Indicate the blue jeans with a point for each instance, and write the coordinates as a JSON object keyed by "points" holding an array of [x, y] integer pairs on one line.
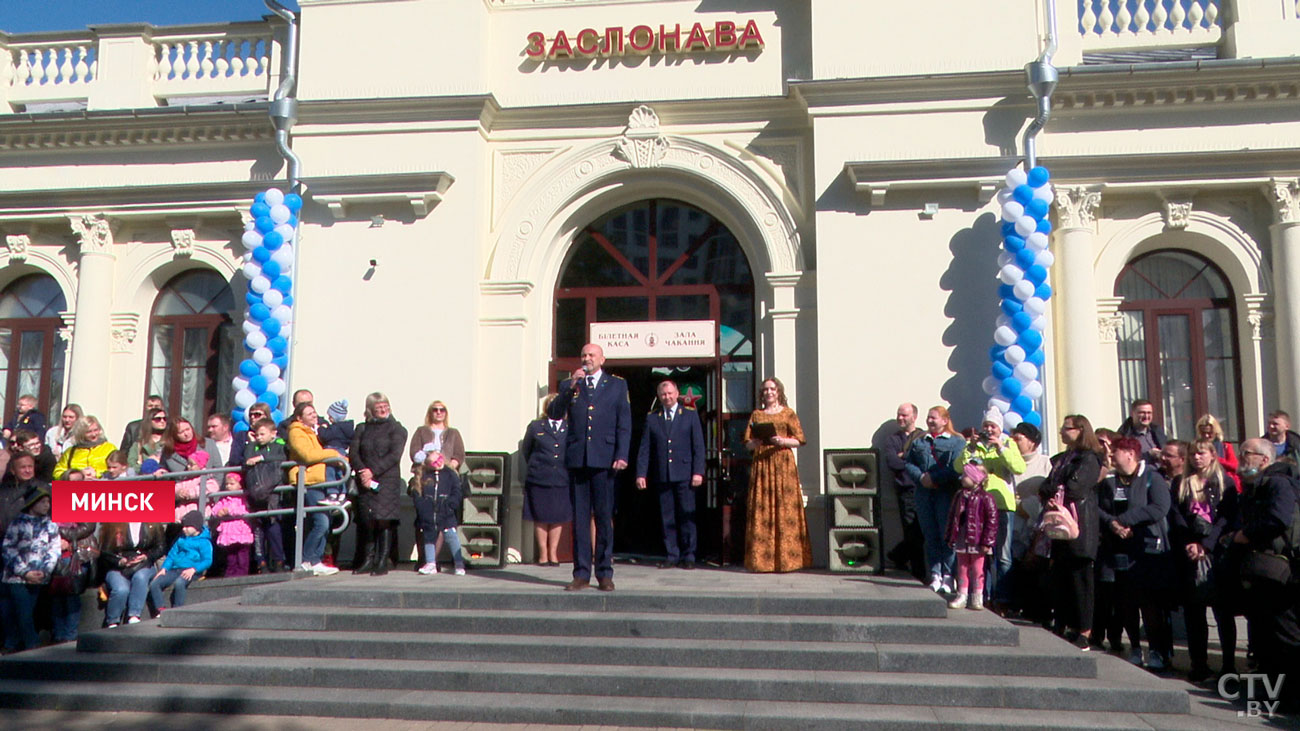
{"points": [[996, 585], [164, 579], [313, 544], [128, 594], [452, 538], [332, 473], [932, 513], [65, 611], [20, 632]]}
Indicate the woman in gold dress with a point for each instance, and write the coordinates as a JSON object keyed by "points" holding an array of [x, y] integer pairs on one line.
{"points": [[776, 531]]}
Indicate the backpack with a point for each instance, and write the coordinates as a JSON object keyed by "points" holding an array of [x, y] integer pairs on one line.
{"points": [[260, 481], [1061, 523]]}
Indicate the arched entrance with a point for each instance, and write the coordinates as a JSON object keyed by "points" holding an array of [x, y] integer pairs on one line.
{"points": [[1178, 341], [659, 260], [194, 346]]}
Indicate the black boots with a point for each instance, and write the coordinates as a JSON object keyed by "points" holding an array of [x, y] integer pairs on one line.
{"points": [[383, 546], [367, 564]]}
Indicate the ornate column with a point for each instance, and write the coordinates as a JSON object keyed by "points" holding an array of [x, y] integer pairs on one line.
{"points": [[88, 376], [1286, 289], [1077, 348], [785, 346]]}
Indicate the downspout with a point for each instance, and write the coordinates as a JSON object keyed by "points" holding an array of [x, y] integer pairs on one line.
{"points": [[1041, 77], [284, 107]]}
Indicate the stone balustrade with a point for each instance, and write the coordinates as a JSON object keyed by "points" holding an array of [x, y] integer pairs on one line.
{"points": [[132, 66], [1130, 25]]}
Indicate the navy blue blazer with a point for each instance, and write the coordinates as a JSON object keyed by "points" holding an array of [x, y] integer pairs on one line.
{"points": [[600, 422], [677, 447], [544, 454]]}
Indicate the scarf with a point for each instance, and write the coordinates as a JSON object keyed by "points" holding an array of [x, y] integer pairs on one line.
{"points": [[185, 449]]}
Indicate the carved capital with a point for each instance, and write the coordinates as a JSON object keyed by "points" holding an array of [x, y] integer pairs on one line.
{"points": [[94, 233], [1076, 207], [642, 144], [123, 328], [1260, 317], [182, 243], [1177, 214], [1108, 328], [1286, 200], [18, 244]]}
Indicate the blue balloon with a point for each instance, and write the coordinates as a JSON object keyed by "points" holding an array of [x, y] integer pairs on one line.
{"points": [[248, 368], [288, 300], [293, 221], [1036, 274], [1036, 357], [271, 327], [273, 240], [1030, 340], [1021, 321], [259, 311], [259, 207], [1008, 228], [264, 225], [260, 197], [271, 400], [1010, 387], [1011, 307], [240, 425], [261, 255], [282, 362], [1024, 259], [1037, 208], [270, 269], [278, 345], [995, 352], [1032, 417], [1014, 244], [293, 202], [283, 283], [277, 415], [1038, 176], [257, 384], [1043, 292], [1001, 371], [252, 298], [1022, 404], [1006, 292], [1045, 226], [1022, 194]]}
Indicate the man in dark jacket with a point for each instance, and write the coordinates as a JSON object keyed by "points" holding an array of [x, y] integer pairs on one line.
{"points": [[1141, 425], [29, 442], [910, 551], [1285, 443], [671, 456]]}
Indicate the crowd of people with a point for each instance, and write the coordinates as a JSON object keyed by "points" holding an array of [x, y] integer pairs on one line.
{"points": [[1111, 536]]}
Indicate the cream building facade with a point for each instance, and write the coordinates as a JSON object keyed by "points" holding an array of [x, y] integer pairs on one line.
{"points": [[460, 156]]}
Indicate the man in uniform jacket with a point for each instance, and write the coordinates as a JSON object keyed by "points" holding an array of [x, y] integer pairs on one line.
{"points": [[672, 456], [600, 429]]}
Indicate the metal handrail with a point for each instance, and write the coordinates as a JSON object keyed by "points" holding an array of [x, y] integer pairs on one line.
{"points": [[299, 510]]}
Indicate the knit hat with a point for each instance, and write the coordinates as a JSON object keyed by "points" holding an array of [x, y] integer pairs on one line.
{"points": [[338, 411], [238, 477], [149, 466], [993, 416], [193, 519], [34, 495], [1029, 431], [200, 458], [975, 473]]}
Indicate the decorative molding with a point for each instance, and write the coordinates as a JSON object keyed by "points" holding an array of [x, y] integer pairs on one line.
{"points": [[1177, 214], [1076, 206], [94, 233], [1259, 316], [106, 136], [123, 328], [786, 314], [182, 243], [421, 191], [513, 169], [783, 279], [1286, 200], [505, 289], [18, 244], [642, 144], [1109, 319], [69, 326]]}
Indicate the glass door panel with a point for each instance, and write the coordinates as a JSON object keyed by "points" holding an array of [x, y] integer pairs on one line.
{"points": [[1178, 402]]}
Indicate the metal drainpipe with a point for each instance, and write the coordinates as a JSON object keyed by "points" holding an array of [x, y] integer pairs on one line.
{"points": [[1041, 77], [284, 107]]}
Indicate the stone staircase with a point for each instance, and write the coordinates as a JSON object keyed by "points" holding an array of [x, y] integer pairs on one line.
{"points": [[703, 649]]}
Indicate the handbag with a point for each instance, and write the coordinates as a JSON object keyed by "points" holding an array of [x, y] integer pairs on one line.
{"points": [[1061, 523], [1265, 570]]}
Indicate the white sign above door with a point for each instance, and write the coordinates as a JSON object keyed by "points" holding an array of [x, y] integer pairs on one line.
{"points": [[663, 339]]}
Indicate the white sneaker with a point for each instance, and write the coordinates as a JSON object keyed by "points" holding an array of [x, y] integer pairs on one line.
{"points": [[976, 602], [111, 626], [948, 588], [133, 620], [306, 566], [958, 602], [936, 583], [428, 569], [321, 569], [460, 572], [1155, 662]]}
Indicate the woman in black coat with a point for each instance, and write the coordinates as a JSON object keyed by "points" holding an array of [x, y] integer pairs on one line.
{"points": [[1072, 484], [376, 455], [128, 552]]}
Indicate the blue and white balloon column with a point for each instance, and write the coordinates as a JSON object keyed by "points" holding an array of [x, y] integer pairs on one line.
{"points": [[1017, 353], [268, 267]]}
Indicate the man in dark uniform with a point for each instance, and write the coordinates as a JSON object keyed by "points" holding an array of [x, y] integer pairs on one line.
{"points": [[600, 427], [674, 437]]}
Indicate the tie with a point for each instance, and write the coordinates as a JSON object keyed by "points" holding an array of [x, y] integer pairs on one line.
{"points": [[591, 381], [668, 415], [555, 425]]}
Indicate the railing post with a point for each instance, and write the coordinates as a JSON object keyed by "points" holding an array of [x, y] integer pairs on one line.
{"points": [[1069, 52], [6, 73], [125, 67], [300, 498], [1261, 28]]}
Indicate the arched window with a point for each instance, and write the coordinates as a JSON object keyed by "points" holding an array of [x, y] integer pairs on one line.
{"points": [[31, 356], [1178, 342], [194, 345]]}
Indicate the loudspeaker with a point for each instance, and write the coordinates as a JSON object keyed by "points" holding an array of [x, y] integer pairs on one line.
{"points": [[852, 472], [486, 473], [854, 511], [855, 549], [483, 508], [480, 510], [481, 545]]}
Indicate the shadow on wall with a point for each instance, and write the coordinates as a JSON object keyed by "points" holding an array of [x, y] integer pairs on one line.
{"points": [[1004, 120], [972, 306]]}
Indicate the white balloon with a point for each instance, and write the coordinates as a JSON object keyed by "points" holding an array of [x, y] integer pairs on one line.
{"points": [[1016, 177], [255, 340], [1012, 211], [272, 298], [1004, 259], [273, 197], [245, 398], [1015, 355], [1036, 241], [251, 270], [250, 326], [1045, 258], [1024, 289], [1004, 336], [286, 231], [250, 226], [1026, 225], [999, 403], [259, 284], [1035, 306], [1011, 420], [1004, 195], [1025, 372], [1039, 323], [283, 313], [1044, 193], [1032, 390], [1010, 274], [252, 239], [1002, 321], [270, 371], [262, 356], [284, 257], [992, 386], [276, 387], [239, 382], [280, 213]]}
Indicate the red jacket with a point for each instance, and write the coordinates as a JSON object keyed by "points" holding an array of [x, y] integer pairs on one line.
{"points": [[974, 517]]}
